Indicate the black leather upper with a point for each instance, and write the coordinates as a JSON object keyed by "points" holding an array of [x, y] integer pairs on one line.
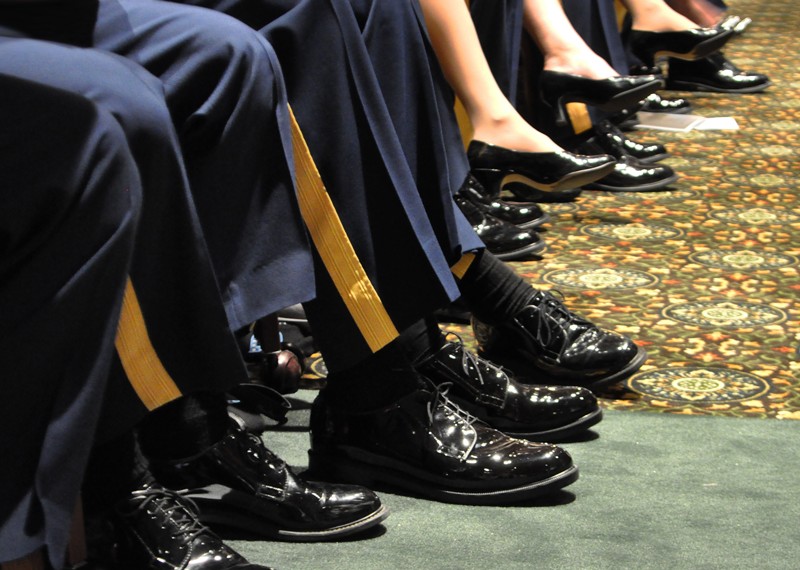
{"points": [[496, 397]]}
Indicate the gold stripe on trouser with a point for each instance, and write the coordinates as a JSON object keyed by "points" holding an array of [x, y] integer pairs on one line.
{"points": [[461, 266], [622, 11], [147, 375], [336, 251], [464, 124], [579, 117]]}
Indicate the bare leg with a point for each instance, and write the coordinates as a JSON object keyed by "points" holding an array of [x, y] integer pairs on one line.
{"points": [[700, 12], [656, 16], [563, 49], [456, 44]]}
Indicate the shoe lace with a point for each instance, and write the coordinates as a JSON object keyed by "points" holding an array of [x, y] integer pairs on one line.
{"points": [[470, 359], [550, 309], [440, 399], [180, 510]]}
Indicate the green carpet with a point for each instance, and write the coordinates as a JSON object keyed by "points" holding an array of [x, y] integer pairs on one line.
{"points": [[655, 492], [706, 276]]}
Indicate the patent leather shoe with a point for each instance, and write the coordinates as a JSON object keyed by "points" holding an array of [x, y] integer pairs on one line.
{"points": [[426, 445], [714, 74], [655, 103], [546, 343], [240, 483], [545, 172], [526, 215], [506, 241], [539, 413], [611, 94], [157, 529], [614, 142], [686, 44], [631, 175]]}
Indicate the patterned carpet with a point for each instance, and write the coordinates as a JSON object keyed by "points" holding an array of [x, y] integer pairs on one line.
{"points": [[705, 276]]}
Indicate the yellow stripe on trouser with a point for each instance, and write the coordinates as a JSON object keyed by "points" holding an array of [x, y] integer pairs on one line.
{"points": [[461, 266], [147, 375], [335, 249]]}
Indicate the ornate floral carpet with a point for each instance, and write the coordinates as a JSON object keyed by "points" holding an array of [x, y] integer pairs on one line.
{"points": [[705, 275]]}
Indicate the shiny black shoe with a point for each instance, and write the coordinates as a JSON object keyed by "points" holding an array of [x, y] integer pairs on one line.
{"points": [[611, 94], [546, 343], [539, 413], [239, 483], [526, 215], [687, 44], [655, 103], [424, 444], [630, 175], [545, 172], [506, 241], [714, 74], [157, 529], [614, 142]]}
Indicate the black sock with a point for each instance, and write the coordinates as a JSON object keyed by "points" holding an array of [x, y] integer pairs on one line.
{"points": [[115, 469], [376, 382], [492, 290], [186, 427], [421, 340]]}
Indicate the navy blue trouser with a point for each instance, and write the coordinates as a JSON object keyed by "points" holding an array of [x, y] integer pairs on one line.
{"points": [[69, 201], [377, 116]]}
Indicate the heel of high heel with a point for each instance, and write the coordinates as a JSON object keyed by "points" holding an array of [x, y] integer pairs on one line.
{"points": [[491, 179]]}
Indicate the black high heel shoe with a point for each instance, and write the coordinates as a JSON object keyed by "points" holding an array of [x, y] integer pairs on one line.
{"points": [[687, 44], [551, 173], [611, 94]]}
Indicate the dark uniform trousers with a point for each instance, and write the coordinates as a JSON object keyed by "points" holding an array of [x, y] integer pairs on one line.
{"points": [[219, 86], [377, 119], [375, 174], [69, 201]]}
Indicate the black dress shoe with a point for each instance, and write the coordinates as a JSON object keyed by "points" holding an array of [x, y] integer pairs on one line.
{"points": [[239, 483], [426, 445], [544, 172], [280, 369], [158, 530], [715, 74], [539, 413], [506, 241], [546, 343], [611, 94], [655, 103], [687, 44], [630, 175], [525, 215], [614, 142]]}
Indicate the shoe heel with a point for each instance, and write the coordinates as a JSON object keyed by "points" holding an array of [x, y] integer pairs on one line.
{"points": [[491, 179], [338, 468]]}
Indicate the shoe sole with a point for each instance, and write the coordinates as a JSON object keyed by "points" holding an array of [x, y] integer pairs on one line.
{"points": [[533, 224], [526, 372], [649, 187], [558, 434], [221, 505], [373, 472], [568, 182], [680, 85], [527, 194], [701, 50], [522, 252]]}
